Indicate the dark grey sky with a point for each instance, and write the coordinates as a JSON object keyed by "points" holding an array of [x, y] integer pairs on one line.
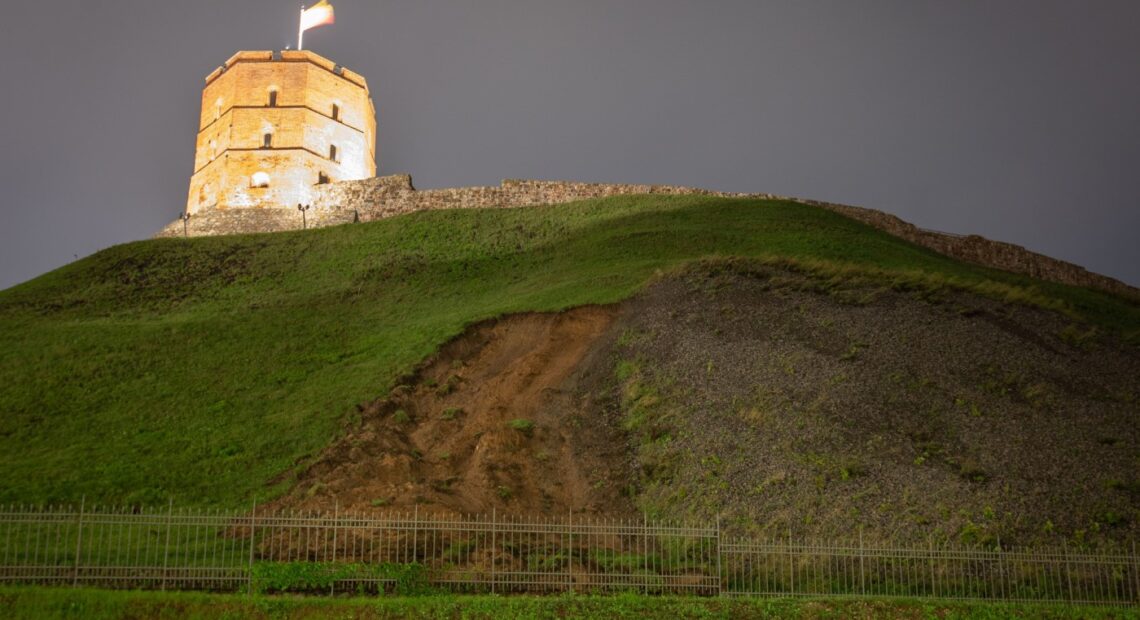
{"points": [[1015, 119]]}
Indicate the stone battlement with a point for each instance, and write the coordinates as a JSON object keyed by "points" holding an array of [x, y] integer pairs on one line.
{"points": [[382, 197], [288, 56]]}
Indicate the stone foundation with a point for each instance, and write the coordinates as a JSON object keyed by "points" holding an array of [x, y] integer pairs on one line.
{"points": [[249, 221]]}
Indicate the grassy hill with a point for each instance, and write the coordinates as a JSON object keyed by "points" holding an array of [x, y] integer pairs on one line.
{"points": [[203, 369], [48, 603]]}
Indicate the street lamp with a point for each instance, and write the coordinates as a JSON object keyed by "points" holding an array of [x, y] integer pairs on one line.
{"points": [[304, 219], [185, 217]]}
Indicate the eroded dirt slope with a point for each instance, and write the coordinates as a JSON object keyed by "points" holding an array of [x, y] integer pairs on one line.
{"points": [[501, 418]]}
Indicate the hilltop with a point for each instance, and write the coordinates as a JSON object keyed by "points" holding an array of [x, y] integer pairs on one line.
{"points": [[222, 370]]}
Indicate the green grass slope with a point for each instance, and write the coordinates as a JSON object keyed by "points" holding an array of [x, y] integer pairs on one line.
{"points": [[47, 603], [202, 369]]}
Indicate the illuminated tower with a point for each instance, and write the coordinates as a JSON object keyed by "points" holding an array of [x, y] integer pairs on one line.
{"points": [[276, 124]]}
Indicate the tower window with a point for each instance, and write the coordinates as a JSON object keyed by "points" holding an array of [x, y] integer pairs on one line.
{"points": [[273, 98], [213, 149], [267, 141], [322, 178], [332, 152], [259, 179], [336, 112]]}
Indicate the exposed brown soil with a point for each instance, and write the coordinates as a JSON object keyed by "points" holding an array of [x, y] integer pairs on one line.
{"points": [[774, 401], [498, 419]]}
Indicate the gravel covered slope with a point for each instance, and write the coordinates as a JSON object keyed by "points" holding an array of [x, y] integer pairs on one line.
{"points": [[783, 403]]}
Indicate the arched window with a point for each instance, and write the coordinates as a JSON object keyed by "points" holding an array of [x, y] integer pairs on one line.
{"points": [[213, 149], [267, 140], [218, 108], [332, 152], [273, 97], [259, 179], [336, 112]]}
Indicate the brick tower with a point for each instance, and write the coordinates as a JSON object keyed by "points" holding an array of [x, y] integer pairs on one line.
{"points": [[275, 125]]}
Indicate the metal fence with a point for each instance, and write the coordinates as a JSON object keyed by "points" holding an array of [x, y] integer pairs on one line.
{"points": [[398, 552]]}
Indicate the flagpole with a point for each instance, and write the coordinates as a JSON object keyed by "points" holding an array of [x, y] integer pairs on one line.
{"points": [[301, 29]]}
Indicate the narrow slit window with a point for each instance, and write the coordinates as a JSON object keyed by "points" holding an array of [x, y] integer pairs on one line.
{"points": [[336, 112], [267, 141], [273, 99], [332, 152]]}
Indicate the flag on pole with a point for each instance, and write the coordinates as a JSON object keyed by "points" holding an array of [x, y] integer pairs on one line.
{"points": [[319, 14]]}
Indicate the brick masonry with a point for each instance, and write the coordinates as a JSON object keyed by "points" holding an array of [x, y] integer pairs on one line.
{"points": [[382, 197], [293, 117]]}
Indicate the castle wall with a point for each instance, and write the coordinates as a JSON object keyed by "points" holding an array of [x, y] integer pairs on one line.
{"points": [[206, 186], [981, 251], [387, 196], [317, 105], [213, 140], [354, 108], [249, 221], [292, 178]]}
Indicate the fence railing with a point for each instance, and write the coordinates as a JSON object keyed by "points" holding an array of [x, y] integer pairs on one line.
{"points": [[173, 548]]}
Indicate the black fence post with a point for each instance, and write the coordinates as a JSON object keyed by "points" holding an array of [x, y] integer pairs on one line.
{"points": [[78, 541]]}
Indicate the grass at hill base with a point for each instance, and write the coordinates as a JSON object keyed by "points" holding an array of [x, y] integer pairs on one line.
{"points": [[88, 604], [203, 370]]}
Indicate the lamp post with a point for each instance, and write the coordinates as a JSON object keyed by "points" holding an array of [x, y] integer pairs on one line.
{"points": [[185, 217], [304, 218]]}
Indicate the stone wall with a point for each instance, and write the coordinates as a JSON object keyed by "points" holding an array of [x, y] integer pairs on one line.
{"points": [[247, 221], [986, 252], [382, 197]]}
